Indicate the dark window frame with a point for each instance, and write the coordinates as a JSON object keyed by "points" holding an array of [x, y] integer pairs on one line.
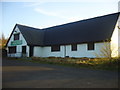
{"points": [[55, 48], [74, 47], [12, 49], [91, 46], [17, 36]]}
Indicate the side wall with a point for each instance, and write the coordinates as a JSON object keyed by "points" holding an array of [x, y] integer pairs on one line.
{"points": [[81, 51], [46, 52], [38, 51], [119, 36], [115, 40]]}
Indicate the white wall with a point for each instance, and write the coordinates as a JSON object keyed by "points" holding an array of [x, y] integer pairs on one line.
{"points": [[18, 47], [38, 51], [119, 37], [119, 30], [115, 40], [47, 52], [81, 51]]}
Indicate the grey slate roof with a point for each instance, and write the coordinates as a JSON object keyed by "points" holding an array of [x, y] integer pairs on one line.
{"points": [[33, 36], [90, 30]]}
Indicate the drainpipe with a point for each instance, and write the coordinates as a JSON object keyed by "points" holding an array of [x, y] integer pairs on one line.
{"points": [[64, 51]]}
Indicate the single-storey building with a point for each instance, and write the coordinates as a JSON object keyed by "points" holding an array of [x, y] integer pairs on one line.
{"points": [[83, 38]]}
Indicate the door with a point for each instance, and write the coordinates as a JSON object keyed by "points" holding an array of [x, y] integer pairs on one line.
{"points": [[31, 51], [23, 51]]}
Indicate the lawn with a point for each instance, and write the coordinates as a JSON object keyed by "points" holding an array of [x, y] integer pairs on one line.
{"points": [[93, 63]]}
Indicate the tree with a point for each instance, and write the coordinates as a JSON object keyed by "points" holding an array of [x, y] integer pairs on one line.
{"points": [[3, 41], [105, 51]]}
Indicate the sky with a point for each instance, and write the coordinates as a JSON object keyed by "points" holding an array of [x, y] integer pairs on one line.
{"points": [[48, 13]]}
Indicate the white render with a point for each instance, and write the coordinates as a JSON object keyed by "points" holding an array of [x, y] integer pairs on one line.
{"points": [[115, 40], [119, 36], [46, 52], [119, 30], [19, 47], [37, 52], [81, 51]]}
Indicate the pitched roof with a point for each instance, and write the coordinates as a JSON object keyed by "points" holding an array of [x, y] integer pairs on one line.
{"points": [[89, 30], [33, 36]]}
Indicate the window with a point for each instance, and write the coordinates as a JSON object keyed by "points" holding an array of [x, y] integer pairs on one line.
{"points": [[90, 46], [55, 48], [74, 47], [12, 49], [16, 36]]}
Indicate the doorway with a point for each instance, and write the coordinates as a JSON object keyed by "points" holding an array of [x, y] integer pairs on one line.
{"points": [[31, 51], [23, 51]]}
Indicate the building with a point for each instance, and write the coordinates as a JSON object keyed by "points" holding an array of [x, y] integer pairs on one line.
{"points": [[83, 38]]}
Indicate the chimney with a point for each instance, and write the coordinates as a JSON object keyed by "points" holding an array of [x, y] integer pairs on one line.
{"points": [[119, 6]]}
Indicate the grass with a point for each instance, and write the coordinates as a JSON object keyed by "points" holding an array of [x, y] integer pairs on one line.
{"points": [[93, 63]]}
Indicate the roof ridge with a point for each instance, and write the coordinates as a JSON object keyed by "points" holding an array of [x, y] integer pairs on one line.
{"points": [[81, 20], [29, 26]]}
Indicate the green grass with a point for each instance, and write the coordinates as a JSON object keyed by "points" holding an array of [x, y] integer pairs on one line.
{"points": [[93, 63]]}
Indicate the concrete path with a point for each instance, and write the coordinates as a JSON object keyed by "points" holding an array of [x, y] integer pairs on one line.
{"points": [[21, 74]]}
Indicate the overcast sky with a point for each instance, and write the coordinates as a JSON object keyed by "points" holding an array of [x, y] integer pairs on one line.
{"points": [[47, 13]]}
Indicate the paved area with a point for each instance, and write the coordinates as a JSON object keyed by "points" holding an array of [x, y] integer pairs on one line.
{"points": [[20, 74]]}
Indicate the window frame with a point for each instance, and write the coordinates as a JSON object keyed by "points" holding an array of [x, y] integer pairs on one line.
{"points": [[91, 46], [55, 48], [12, 50], [73, 47], [17, 36]]}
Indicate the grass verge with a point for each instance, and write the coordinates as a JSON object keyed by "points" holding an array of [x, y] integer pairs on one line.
{"points": [[93, 63]]}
